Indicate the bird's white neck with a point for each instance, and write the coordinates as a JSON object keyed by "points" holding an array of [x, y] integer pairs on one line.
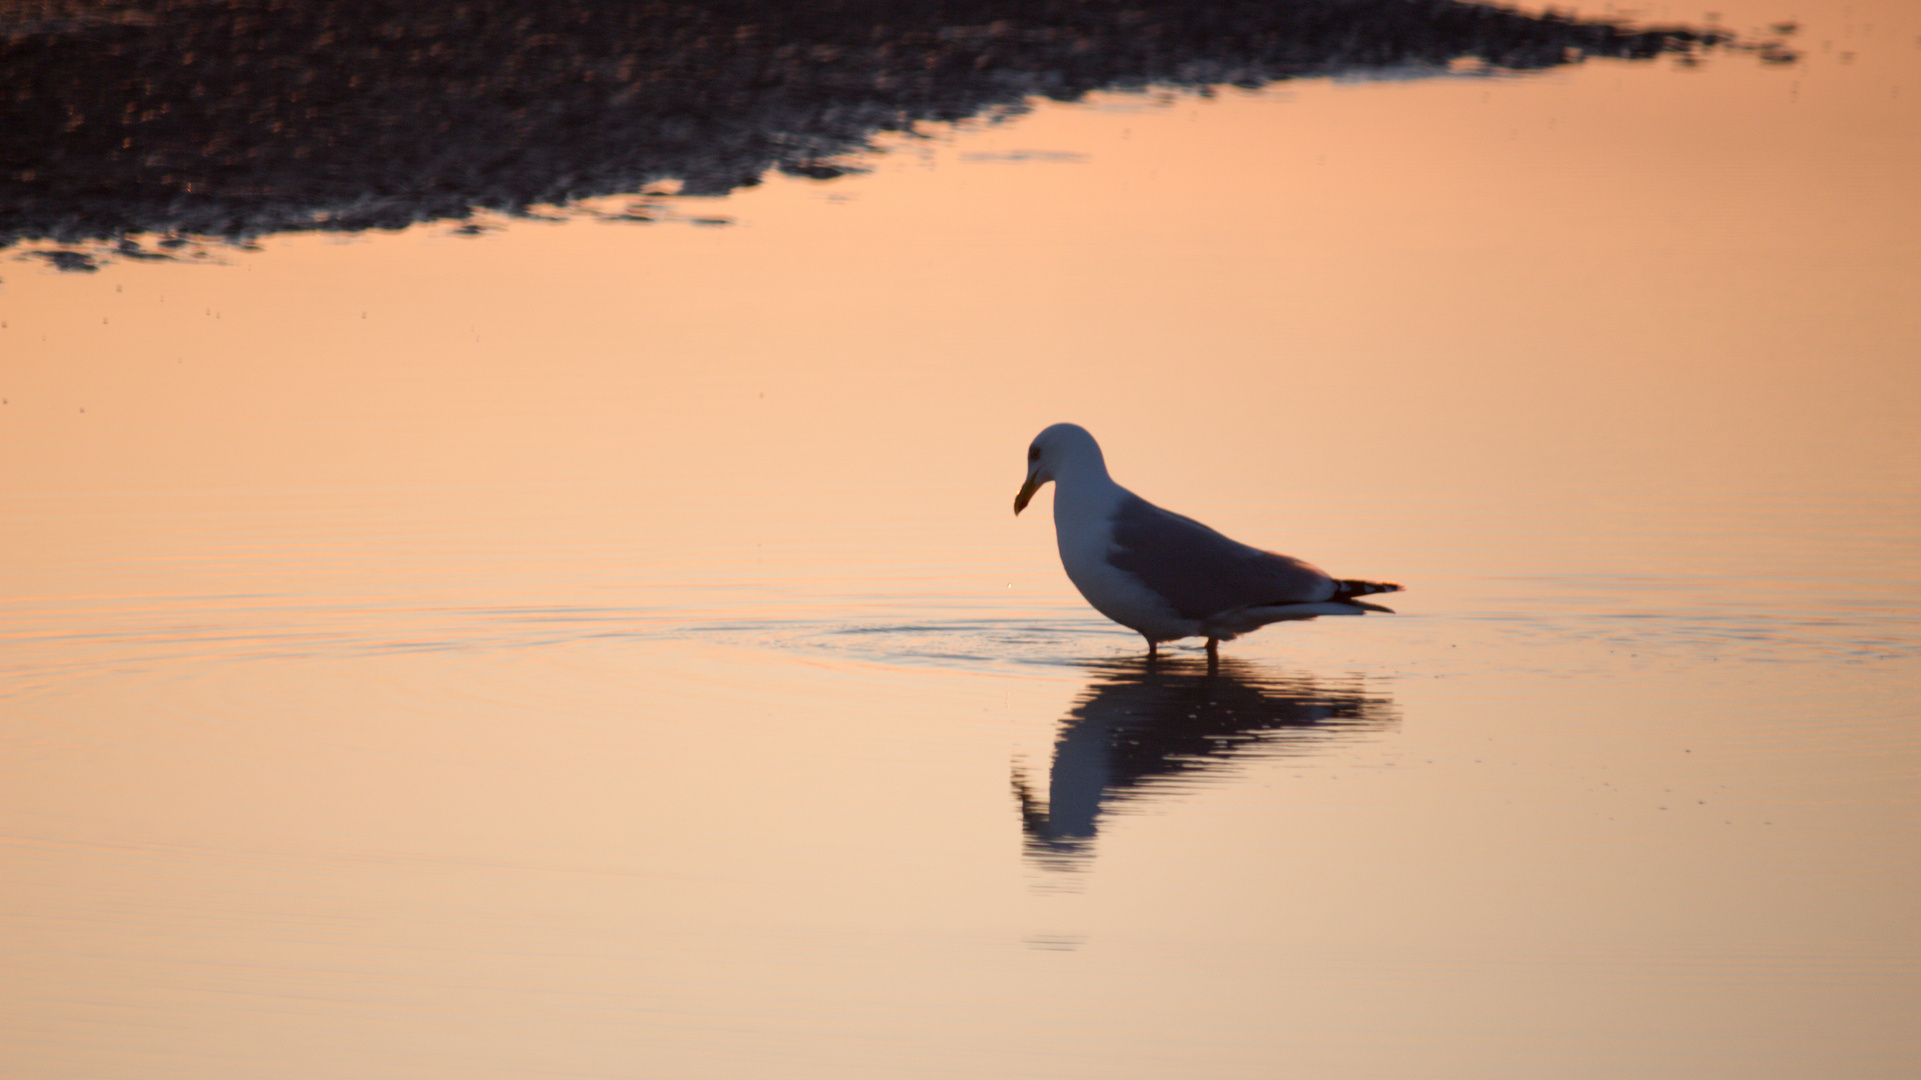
{"points": [[1083, 493]]}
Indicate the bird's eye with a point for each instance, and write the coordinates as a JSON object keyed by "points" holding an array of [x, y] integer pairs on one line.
{"points": [[1033, 453]]}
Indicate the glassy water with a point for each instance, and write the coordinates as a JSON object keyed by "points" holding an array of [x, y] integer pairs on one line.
{"points": [[601, 646]]}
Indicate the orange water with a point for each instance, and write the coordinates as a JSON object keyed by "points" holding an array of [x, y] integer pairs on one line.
{"points": [[606, 650]]}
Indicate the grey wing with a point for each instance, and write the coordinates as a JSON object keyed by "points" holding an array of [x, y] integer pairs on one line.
{"points": [[1201, 573]]}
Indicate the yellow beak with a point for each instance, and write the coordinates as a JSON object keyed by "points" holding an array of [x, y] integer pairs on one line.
{"points": [[1027, 492]]}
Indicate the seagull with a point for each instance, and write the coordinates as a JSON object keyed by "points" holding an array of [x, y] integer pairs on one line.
{"points": [[1162, 575]]}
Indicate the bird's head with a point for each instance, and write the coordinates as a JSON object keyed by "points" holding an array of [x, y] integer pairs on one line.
{"points": [[1057, 449]]}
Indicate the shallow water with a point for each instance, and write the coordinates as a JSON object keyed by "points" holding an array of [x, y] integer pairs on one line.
{"points": [[604, 649]]}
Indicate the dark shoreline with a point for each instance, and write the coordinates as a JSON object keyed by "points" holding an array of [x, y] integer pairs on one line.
{"points": [[189, 118]]}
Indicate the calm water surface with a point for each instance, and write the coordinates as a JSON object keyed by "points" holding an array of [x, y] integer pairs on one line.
{"points": [[593, 648]]}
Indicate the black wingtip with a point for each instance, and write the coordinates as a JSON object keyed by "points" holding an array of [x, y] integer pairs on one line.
{"points": [[1347, 589]]}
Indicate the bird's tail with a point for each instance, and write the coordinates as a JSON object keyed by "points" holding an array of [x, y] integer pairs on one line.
{"points": [[1348, 590]]}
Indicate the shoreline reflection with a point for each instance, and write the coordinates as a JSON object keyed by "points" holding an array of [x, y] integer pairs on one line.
{"points": [[1144, 730]]}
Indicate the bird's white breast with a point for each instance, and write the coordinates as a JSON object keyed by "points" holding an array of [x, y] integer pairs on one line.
{"points": [[1083, 528]]}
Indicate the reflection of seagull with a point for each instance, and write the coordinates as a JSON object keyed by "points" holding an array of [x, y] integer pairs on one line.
{"points": [[1163, 575], [1144, 727]]}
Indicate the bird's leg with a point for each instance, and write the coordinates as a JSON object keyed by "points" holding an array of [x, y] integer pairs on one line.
{"points": [[1213, 650], [1153, 651]]}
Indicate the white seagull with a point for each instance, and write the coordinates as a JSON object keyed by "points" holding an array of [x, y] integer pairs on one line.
{"points": [[1162, 575]]}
